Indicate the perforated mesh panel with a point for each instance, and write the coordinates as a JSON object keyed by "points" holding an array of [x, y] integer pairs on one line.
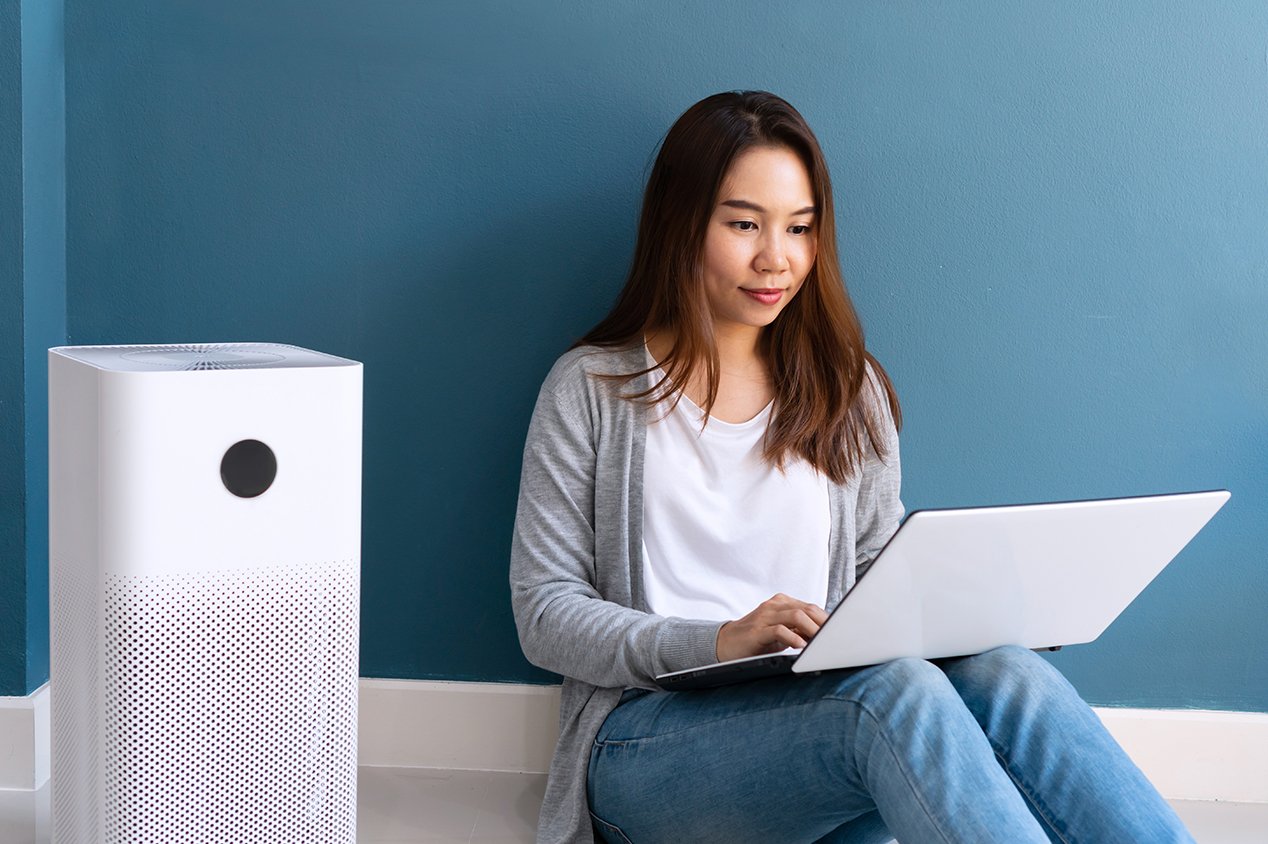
{"points": [[231, 703], [75, 700]]}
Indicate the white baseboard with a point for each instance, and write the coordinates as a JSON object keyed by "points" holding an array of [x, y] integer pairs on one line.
{"points": [[1196, 754], [1187, 754], [25, 741], [466, 726]]}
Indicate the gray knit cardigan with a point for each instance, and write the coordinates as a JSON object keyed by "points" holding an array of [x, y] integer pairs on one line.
{"points": [[576, 559]]}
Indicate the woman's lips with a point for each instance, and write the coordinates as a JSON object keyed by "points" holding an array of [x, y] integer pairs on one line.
{"points": [[765, 296]]}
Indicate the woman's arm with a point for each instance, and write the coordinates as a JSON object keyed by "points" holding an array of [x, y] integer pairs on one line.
{"points": [[564, 624], [879, 509]]}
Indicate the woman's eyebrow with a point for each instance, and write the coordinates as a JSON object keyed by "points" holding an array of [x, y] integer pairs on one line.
{"points": [[753, 206]]}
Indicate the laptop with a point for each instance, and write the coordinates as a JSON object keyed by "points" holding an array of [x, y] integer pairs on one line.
{"points": [[955, 582]]}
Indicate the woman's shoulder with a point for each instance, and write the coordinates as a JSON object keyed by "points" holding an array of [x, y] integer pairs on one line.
{"points": [[875, 397], [875, 387], [576, 391], [577, 368]]}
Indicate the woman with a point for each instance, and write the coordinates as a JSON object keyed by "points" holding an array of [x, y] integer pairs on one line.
{"points": [[706, 473]]}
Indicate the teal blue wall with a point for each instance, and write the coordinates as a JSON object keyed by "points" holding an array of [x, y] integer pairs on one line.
{"points": [[1054, 220], [32, 318], [12, 451], [44, 274]]}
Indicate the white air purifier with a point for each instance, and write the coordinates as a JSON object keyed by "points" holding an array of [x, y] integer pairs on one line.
{"points": [[205, 533]]}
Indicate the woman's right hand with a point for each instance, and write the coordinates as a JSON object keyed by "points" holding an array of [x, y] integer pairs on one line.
{"points": [[778, 623]]}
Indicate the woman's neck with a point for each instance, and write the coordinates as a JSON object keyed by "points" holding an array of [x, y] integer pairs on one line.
{"points": [[744, 382], [739, 351]]}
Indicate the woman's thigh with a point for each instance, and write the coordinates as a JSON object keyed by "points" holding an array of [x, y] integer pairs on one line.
{"points": [[773, 760]]}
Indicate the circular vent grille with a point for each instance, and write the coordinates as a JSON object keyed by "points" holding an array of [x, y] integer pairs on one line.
{"points": [[192, 357], [231, 706]]}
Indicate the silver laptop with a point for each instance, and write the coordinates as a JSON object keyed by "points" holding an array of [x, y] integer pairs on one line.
{"points": [[962, 581]]}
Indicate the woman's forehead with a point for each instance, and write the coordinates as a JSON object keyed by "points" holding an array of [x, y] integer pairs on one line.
{"points": [[771, 178]]}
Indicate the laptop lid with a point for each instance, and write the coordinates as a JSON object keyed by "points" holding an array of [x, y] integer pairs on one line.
{"points": [[955, 582], [962, 581]]}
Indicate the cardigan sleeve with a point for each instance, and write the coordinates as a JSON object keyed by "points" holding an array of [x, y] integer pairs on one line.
{"points": [[879, 510], [565, 625]]}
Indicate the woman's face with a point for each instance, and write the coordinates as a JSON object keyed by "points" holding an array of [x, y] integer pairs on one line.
{"points": [[760, 242]]}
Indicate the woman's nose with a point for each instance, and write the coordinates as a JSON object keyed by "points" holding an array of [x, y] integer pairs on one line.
{"points": [[773, 255]]}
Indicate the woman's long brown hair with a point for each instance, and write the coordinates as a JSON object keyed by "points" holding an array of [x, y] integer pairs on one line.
{"points": [[814, 348]]}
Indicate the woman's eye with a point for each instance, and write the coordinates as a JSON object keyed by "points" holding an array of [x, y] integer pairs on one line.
{"points": [[745, 225], [799, 229]]}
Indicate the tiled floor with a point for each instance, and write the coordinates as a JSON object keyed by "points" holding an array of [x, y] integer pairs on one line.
{"points": [[411, 804]]}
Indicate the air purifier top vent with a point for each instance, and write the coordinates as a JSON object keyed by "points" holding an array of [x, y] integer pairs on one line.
{"points": [[200, 356]]}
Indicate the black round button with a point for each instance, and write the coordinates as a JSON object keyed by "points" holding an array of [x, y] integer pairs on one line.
{"points": [[248, 468]]}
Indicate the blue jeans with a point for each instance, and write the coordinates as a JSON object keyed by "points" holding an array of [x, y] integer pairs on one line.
{"points": [[994, 747]]}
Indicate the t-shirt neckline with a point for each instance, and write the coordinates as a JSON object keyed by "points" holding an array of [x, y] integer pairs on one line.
{"points": [[760, 417]]}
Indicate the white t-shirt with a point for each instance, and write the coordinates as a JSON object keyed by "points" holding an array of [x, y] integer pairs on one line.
{"points": [[723, 530]]}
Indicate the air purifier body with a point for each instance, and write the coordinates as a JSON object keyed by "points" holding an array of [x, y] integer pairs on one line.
{"points": [[204, 579]]}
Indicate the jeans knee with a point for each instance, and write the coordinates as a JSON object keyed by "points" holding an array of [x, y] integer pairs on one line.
{"points": [[910, 671], [906, 680], [904, 708], [1014, 660], [1008, 669]]}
